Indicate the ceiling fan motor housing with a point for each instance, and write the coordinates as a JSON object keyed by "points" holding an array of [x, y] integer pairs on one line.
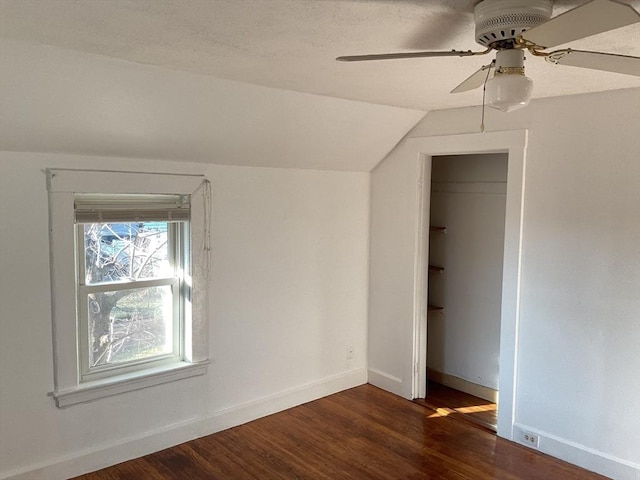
{"points": [[499, 22]]}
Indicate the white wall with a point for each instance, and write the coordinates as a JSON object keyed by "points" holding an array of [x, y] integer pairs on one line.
{"points": [[578, 368], [289, 293], [468, 196], [395, 197]]}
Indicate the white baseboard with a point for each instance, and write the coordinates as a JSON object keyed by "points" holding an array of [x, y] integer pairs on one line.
{"points": [[583, 456], [134, 447], [463, 385], [385, 381]]}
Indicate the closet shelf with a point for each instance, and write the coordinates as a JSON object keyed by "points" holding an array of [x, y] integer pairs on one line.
{"points": [[437, 229], [434, 269], [434, 308]]}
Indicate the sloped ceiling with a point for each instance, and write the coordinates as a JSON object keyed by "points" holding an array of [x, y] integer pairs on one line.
{"points": [[291, 44], [62, 101], [246, 82]]}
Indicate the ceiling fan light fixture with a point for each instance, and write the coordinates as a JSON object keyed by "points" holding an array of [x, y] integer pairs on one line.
{"points": [[509, 89], [509, 92]]}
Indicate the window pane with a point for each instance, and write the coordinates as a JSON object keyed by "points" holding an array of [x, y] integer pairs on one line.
{"points": [[116, 252], [128, 325]]}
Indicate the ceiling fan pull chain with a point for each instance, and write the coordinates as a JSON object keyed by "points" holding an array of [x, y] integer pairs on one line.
{"points": [[484, 95]]}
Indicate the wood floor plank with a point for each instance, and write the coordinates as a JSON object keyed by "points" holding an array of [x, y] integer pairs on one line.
{"points": [[418, 439], [351, 456], [361, 433], [468, 407]]}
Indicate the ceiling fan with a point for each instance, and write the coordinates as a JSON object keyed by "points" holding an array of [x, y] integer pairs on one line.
{"points": [[512, 27]]}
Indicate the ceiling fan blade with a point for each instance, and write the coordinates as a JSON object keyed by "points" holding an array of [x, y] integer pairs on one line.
{"points": [[608, 62], [392, 56], [475, 80], [589, 19]]}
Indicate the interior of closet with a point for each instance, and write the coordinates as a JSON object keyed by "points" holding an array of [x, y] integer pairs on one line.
{"points": [[466, 249]]}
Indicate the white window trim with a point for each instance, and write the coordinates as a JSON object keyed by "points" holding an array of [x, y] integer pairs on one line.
{"points": [[62, 184]]}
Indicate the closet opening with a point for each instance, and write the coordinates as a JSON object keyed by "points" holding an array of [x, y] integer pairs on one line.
{"points": [[466, 211]]}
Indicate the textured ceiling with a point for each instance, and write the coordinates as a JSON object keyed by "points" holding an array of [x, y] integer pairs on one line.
{"points": [[291, 44]]}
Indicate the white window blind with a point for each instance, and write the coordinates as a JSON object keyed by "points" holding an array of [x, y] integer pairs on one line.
{"points": [[91, 208]]}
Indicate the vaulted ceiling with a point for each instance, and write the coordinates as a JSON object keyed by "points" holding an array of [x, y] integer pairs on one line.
{"points": [[247, 82], [291, 44]]}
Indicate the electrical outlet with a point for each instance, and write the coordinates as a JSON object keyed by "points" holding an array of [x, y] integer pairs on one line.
{"points": [[528, 438], [349, 352]]}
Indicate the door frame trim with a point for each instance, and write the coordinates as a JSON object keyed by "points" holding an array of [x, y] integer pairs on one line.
{"points": [[514, 143]]}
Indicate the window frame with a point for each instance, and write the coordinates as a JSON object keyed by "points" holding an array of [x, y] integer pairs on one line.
{"points": [[177, 236], [63, 185]]}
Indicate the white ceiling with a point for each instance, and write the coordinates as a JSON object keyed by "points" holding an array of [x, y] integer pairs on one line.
{"points": [[291, 44]]}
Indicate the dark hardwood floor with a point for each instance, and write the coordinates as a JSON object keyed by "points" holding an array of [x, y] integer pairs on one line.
{"points": [[461, 406], [362, 433]]}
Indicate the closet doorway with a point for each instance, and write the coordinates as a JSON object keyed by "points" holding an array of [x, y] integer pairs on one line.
{"points": [[513, 143], [466, 251]]}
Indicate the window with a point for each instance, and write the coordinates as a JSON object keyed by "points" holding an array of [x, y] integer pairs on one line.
{"points": [[130, 281], [138, 313]]}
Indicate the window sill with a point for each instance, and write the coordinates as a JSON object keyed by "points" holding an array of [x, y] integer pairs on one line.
{"points": [[90, 391]]}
